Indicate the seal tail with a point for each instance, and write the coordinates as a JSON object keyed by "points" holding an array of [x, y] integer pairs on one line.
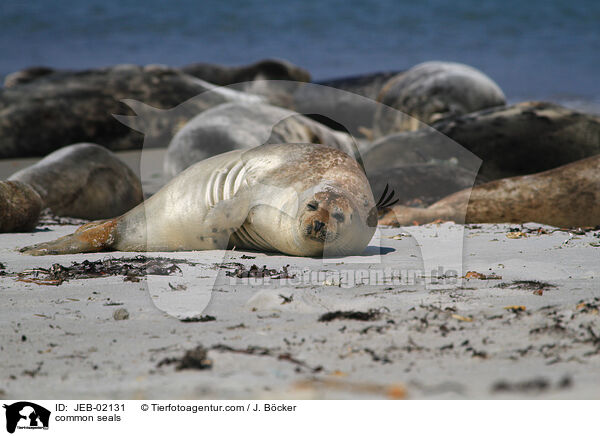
{"points": [[89, 238]]}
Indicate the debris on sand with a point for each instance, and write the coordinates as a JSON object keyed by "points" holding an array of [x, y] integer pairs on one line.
{"points": [[2, 269], [591, 306], [177, 287], [515, 308], [535, 385], [462, 318], [286, 300], [241, 272], [263, 351], [392, 391], [528, 285], [353, 315], [481, 276], [120, 314], [33, 372], [535, 286], [132, 268], [523, 231], [47, 218], [376, 357], [192, 359], [203, 318]]}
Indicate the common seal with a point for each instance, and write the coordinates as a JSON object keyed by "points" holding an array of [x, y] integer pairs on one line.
{"points": [[84, 181], [20, 207], [432, 91], [235, 126], [416, 147], [222, 75], [272, 79], [507, 141], [566, 196], [423, 166], [301, 200], [524, 138], [422, 184], [27, 75], [367, 85], [68, 107], [353, 112], [266, 69]]}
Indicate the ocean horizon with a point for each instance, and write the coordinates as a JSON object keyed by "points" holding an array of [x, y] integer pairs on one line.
{"points": [[534, 50]]}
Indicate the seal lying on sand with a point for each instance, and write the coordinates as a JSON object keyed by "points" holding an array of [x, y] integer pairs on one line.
{"points": [[27, 75], [298, 199], [432, 91], [233, 126], [78, 107], [423, 183], [524, 138], [367, 85], [20, 207], [516, 140], [266, 69], [84, 181], [566, 196]]}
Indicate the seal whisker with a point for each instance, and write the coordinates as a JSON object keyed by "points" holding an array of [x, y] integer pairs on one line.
{"points": [[385, 202]]}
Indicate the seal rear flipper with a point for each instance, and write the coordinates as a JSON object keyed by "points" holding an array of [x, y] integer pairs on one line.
{"points": [[89, 238]]}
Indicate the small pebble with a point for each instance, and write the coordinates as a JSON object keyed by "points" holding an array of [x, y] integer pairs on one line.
{"points": [[120, 314]]}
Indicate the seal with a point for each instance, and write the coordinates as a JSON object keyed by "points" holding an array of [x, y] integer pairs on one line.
{"points": [[507, 137], [233, 126], [432, 91], [20, 207], [422, 183], [502, 140], [27, 75], [416, 147], [297, 199], [367, 85], [83, 181], [79, 107], [567, 196], [265, 69]]}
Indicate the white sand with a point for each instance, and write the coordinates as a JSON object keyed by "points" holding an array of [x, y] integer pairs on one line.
{"points": [[420, 341], [84, 352]]}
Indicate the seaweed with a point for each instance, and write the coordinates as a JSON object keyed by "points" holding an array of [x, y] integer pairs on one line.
{"points": [[132, 268]]}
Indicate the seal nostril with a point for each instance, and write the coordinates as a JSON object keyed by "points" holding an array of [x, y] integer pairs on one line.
{"points": [[318, 225]]}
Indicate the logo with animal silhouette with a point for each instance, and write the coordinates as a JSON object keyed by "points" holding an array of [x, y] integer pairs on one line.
{"points": [[26, 416]]}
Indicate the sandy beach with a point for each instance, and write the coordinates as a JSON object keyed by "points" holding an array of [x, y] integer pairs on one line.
{"points": [[523, 324]]}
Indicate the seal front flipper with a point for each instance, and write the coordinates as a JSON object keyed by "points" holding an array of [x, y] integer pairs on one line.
{"points": [[89, 238]]}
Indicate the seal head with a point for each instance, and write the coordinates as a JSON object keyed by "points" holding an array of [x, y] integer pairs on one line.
{"points": [[331, 224]]}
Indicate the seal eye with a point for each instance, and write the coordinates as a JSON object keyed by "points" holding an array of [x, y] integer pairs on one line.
{"points": [[338, 216], [313, 205]]}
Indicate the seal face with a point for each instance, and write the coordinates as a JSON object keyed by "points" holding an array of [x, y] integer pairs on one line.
{"points": [[297, 199], [324, 215], [329, 222]]}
